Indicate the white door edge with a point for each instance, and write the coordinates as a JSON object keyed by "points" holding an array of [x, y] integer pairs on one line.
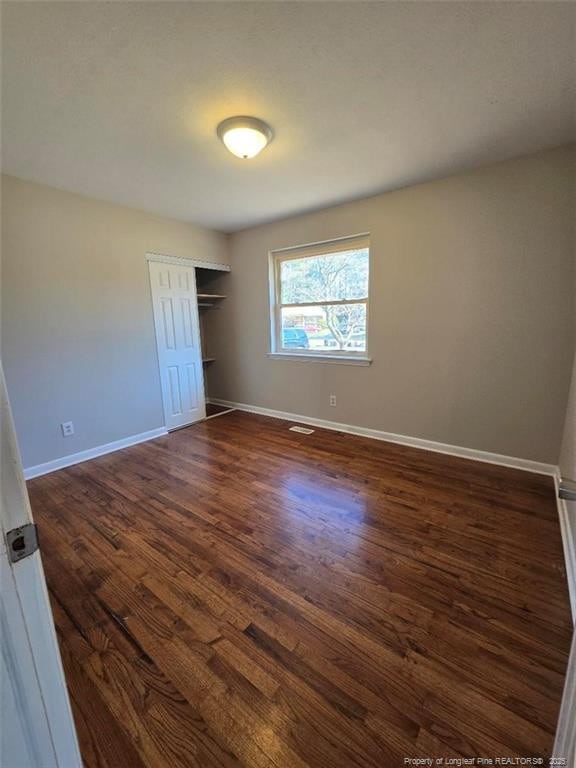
{"points": [[36, 689]]}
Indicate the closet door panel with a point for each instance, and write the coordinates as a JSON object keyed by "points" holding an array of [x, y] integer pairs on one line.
{"points": [[177, 325]]}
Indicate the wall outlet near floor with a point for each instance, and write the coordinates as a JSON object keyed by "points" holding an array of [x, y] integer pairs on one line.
{"points": [[67, 428], [333, 400]]}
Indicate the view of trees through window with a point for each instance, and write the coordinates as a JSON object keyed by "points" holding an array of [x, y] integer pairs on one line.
{"points": [[323, 301]]}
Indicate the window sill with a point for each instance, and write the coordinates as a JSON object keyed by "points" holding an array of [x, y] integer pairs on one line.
{"points": [[337, 359]]}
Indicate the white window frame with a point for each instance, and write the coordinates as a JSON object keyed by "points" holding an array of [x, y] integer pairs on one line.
{"points": [[276, 258]]}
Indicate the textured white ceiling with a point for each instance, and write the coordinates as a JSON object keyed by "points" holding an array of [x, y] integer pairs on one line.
{"points": [[120, 100]]}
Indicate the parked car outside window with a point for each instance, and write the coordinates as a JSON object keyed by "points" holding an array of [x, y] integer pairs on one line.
{"points": [[295, 338]]}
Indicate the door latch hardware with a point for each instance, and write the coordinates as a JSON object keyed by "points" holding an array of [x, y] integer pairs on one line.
{"points": [[567, 490], [22, 542]]}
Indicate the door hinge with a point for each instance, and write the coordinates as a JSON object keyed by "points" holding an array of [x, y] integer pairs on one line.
{"points": [[22, 542]]}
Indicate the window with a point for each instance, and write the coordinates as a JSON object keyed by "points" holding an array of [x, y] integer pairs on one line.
{"points": [[319, 299]]}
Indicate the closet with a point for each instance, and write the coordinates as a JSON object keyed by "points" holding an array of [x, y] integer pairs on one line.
{"points": [[211, 287], [186, 296]]}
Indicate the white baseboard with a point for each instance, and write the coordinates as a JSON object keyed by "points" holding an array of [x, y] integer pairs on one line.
{"points": [[92, 453], [414, 442], [568, 529]]}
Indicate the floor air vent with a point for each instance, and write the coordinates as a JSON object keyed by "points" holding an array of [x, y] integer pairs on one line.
{"points": [[301, 430]]}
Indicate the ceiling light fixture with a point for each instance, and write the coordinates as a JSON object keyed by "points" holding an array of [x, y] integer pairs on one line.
{"points": [[245, 137]]}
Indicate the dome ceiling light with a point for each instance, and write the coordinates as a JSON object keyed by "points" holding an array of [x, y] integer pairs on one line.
{"points": [[245, 137]]}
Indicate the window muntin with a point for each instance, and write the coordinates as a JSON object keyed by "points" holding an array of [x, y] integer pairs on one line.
{"points": [[320, 299]]}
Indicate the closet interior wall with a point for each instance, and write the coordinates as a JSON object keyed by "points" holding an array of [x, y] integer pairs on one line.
{"points": [[212, 288]]}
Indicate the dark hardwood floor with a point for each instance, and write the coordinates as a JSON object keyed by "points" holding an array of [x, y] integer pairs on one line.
{"points": [[212, 409], [238, 594]]}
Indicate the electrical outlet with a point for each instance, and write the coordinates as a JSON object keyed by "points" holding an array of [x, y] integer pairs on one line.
{"points": [[332, 400], [67, 428]]}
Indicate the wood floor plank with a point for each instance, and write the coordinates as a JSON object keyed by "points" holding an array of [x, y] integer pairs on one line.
{"points": [[238, 594]]}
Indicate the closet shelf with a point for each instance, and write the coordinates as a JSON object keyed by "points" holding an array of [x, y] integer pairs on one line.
{"points": [[208, 300]]}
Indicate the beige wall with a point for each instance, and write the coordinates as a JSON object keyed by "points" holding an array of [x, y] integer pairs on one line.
{"points": [[77, 327], [568, 452], [471, 314]]}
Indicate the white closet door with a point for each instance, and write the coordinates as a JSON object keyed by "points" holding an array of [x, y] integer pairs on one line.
{"points": [[178, 340]]}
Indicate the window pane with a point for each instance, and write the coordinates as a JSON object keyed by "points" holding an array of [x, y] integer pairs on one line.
{"points": [[329, 277], [328, 328]]}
